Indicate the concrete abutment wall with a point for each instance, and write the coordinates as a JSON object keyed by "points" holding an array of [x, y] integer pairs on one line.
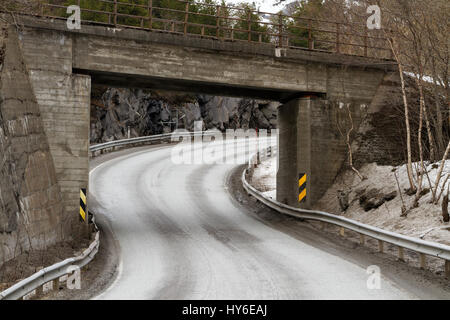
{"points": [[64, 103], [31, 207]]}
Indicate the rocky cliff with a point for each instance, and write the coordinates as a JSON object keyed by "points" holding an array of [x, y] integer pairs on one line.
{"points": [[115, 111]]}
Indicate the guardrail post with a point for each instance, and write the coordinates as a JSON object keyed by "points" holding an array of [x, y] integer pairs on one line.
{"points": [[342, 232], [362, 239], [39, 291], [150, 14], [186, 17], [55, 284], [381, 246], [423, 261], [401, 254], [447, 268], [322, 225]]}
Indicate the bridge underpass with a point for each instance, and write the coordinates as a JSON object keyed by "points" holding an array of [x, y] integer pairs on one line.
{"points": [[311, 85]]}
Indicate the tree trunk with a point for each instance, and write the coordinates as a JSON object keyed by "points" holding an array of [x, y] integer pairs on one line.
{"points": [[408, 129], [427, 122], [441, 168], [422, 168], [445, 215]]}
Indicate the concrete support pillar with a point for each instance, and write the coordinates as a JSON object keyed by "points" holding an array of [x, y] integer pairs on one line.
{"points": [[294, 151], [309, 143]]}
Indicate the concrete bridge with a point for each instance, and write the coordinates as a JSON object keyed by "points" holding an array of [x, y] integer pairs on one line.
{"points": [[313, 86]]}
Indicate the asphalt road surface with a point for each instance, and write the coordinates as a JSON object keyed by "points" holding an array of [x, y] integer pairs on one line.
{"points": [[181, 236]]}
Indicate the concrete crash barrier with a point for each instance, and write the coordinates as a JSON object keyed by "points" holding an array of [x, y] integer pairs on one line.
{"points": [[421, 247]]}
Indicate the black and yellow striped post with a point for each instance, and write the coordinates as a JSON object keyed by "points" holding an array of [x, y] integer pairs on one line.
{"points": [[302, 188], [83, 204]]}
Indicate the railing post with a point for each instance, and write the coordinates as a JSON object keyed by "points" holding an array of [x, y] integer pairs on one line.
{"points": [[338, 36], [150, 14], [115, 12], [249, 22], [392, 56], [342, 232], [280, 30], [225, 16], [365, 42], [218, 22], [310, 44], [186, 17]]}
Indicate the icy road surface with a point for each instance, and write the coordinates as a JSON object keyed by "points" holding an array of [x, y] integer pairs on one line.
{"points": [[182, 236]]}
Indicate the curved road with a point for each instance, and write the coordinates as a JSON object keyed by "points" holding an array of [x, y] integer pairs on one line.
{"points": [[181, 236]]}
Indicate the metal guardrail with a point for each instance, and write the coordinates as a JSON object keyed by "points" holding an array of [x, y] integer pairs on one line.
{"points": [[52, 273], [420, 246], [228, 23], [157, 138]]}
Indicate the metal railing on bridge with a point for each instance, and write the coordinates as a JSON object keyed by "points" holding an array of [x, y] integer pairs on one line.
{"points": [[227, 23]]}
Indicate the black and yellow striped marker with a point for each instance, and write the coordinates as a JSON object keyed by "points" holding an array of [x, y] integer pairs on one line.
{"points": [[302, 187], [83, 204]]}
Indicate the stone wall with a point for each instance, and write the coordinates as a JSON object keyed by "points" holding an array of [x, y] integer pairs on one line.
{"points": [[30, 200]]}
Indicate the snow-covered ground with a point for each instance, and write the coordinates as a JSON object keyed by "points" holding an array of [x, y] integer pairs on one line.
{"points": [[424, 222]]}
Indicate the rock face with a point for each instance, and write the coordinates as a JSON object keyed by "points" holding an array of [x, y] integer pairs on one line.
{"points": [[30, 199], [117, 112], [374, 198]]}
